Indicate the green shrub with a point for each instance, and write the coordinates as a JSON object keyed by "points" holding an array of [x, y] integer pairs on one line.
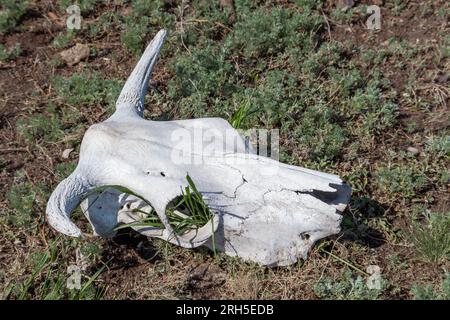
{"points": [[21, 198], [348, 287], [63, 40], [438, 146], [203, 79], [37, 127], [262, 32], [431, 238], [428, 292], [399, 179], [11, 11], [318, 135], [10, 53], [63, 170], [146, 15], [87, 89], [86, 6]]}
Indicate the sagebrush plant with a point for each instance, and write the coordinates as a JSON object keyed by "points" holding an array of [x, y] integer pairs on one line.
{"points": [[144, 17], [439, 146], [21, 198], [107, 21], [406, 180], [347, 16], [88, 89], [46, 127], [86, 6], [348, 287], [293, 92], [429, 292], [133, 38], [266, 32], [10, 53], [63, 39], [64, 169], [27, 201], [11, 11], [57, 124]]}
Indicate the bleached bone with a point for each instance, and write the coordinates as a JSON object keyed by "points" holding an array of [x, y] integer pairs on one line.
{"points": [[264, 211]]}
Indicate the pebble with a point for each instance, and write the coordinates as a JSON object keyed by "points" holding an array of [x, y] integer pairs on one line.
{"points": [[75, 54], [66, 153], [413, 150]]}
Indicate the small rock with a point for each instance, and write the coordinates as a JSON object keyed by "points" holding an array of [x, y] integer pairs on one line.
{"points": [[66, 153], [443, 78], [378, 2], [54, 18], [75, 54], [344, 5], [413, 150]]}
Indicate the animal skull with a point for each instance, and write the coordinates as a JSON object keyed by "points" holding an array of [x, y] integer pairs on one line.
{"points": [[264, 211]]}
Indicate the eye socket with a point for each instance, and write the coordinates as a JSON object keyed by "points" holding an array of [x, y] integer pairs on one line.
{"points": [[305, 236]]}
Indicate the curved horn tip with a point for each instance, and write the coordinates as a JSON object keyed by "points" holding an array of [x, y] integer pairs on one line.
{"points": [[66, 227], [64, 199], [161, 33], [61, 222]]}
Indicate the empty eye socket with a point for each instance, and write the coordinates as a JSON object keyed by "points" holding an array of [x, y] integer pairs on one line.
{"points": [[305, 236]]}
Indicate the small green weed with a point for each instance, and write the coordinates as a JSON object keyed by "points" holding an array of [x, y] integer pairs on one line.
{"points": [[86, 6], [397, 178], [241, 115], [439, 146], [63, 40], [26, 200], [21, 198], [88, 89], [431, 238], [11, 11], [348, 287], [428, 292], [145, 15], [10, 53], [46, 127]]}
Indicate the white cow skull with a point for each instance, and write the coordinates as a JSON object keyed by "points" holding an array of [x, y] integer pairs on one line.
{"points": [[264, 211]]}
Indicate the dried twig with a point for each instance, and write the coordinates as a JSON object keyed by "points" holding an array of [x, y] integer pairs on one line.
{"points": [[328, 24]]}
